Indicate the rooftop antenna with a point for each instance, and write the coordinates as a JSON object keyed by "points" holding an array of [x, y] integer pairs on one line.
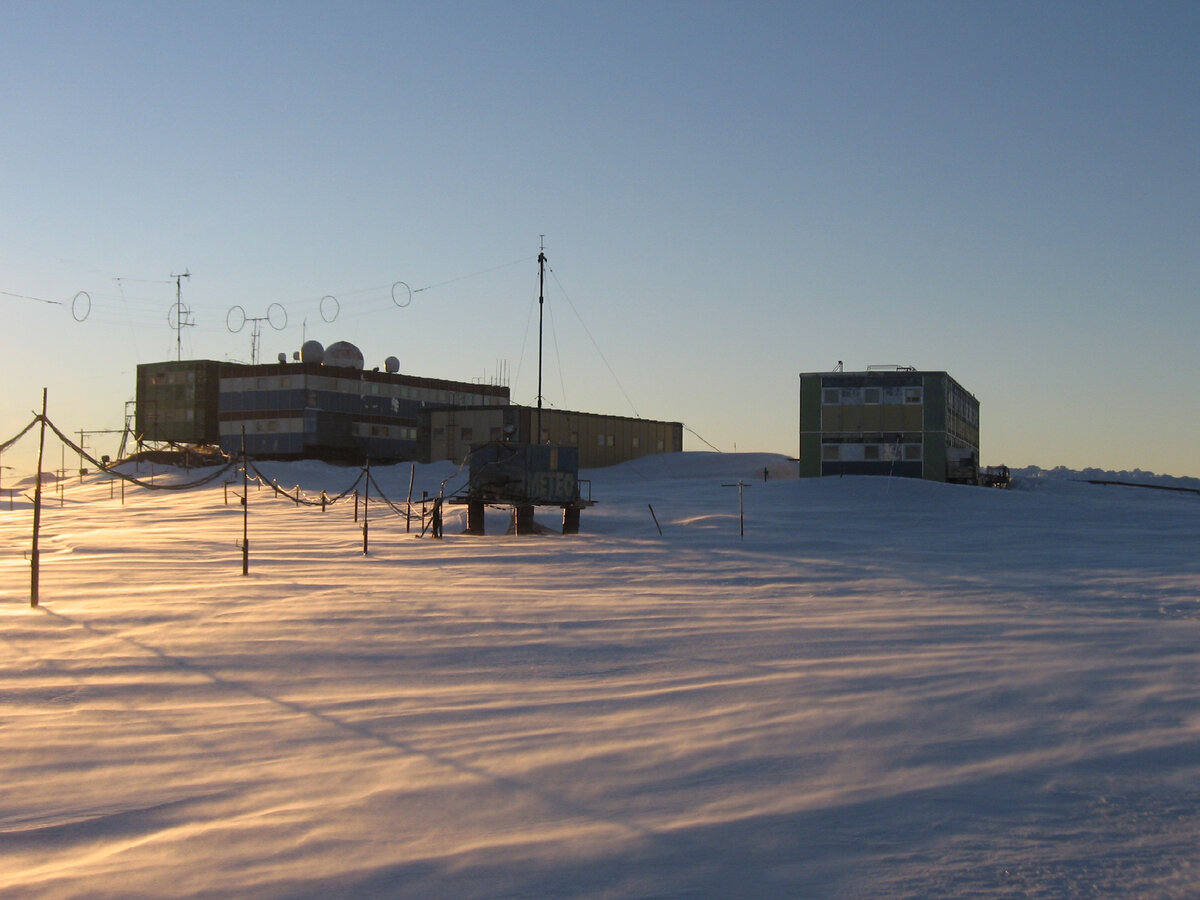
{"points": [[541, 306], [181, 314], [236, 319]]}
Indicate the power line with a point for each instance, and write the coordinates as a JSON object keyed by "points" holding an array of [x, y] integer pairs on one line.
{"points": [[599, 352], [35, 299]]}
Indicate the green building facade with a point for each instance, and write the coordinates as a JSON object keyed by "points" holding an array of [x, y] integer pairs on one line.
{"points": [[892, 421]]}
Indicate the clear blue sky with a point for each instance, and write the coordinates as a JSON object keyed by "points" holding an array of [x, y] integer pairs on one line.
{"points": [[730, 193]]}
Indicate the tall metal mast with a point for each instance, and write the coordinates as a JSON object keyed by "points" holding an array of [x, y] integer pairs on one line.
{"points": [[179, 314], [541, 306]]}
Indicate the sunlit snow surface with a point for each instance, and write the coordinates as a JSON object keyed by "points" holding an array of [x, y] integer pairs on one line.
{"points": [[888, 688]]}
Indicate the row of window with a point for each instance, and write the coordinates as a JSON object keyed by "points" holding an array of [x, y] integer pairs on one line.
{"points": [[871, 396], [467, 434], [963, 407], [297, 426], [395, 432], [355, 388], [870, 452], [264, 426], [175, 376]]}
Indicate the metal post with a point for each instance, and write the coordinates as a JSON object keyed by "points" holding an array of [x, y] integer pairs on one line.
{"points": [[412, 474], [366, 500], [537, 438], [245, 508], [741, 486], [37, 510]]}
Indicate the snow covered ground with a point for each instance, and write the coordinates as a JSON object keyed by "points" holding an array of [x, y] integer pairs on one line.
{"points": [[888, 688]]}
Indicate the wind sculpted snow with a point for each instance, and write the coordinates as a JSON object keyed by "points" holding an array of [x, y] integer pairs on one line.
{"points": [[887, 688]]}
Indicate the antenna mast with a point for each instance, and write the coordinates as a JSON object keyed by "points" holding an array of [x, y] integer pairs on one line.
{"points": [[541, 306], [180, 313]]}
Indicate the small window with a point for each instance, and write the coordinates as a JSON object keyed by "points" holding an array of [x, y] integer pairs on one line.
{"points": [[871, 451], [830, 451], [466, 433], [912, 451], [871, 396], [609, 440], [912, 395], [636, 442], [574, 437], [831, 396], [599, 440]]}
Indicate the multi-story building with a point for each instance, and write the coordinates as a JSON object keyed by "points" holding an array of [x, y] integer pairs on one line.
{"points": [[325, 406], [306, 409], [888, 421]]}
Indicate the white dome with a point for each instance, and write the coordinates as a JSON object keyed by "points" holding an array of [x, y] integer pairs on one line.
{"points": [[312, 352], [343, 355]]}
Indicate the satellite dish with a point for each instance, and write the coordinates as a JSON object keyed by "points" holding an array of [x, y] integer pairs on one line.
{"points": [[391, 365], [312, 352], [343, 355]]}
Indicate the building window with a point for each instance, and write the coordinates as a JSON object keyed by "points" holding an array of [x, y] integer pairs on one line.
{"points": [[912, 451], [871, 451], [599, 440], [830, 451], [871, 396], [636, 442], [912, 395], [466, 433], [831, 396]]}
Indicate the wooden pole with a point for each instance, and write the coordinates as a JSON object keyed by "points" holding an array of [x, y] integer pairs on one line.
{"points": [[37, 510]]}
